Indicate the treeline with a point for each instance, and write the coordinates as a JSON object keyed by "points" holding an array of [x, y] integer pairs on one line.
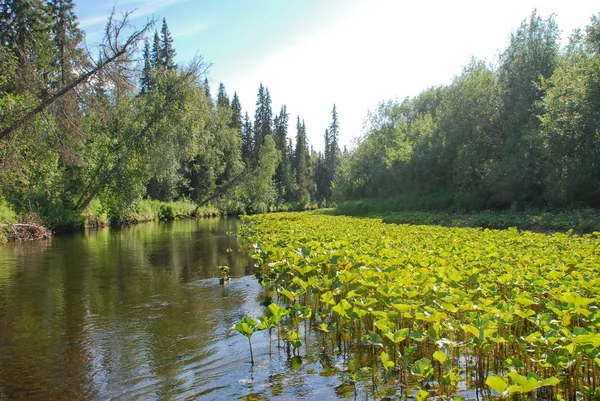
{"points": [[523, 132], [86, 134]]}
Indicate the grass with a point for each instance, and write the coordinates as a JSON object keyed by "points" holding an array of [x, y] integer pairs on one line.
{"points": [[149, 209], [405, 211]]}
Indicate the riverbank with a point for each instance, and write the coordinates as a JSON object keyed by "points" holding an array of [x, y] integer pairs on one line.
{"points": [[581, 221], [31, 226]]}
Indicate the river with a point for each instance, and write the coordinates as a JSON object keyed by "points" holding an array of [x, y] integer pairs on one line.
{"points": [[138, 313]]}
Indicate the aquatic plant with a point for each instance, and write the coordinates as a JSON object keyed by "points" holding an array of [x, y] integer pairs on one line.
{"points": [[224, 274], [247, 327], [502, 311]]}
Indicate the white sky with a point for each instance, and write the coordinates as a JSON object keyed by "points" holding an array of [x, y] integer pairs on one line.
{"points": [[354, 53], [382, 50]]}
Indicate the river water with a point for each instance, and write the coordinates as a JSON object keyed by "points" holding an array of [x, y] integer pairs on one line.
{"points": [[138, 313]]}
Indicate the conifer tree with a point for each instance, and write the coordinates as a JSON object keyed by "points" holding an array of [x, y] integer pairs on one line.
{"points": [[301, 162], [247, 141], [236, 113], [146, 77], [67, 37], [207, 91], [222, 98], [155, 60], [332, 154], [284, 178], [167, 52], [263, 117]]}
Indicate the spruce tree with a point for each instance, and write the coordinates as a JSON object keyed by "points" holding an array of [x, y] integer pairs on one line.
{"points": [[281, 129], [207, 91], [263, 117], [258, 117], [248, 141], [146, 77], [236, 113], [25, 31], [67, 37], [222, 98], [332, 154], [167, 52], [155, 60], [301, 161]]}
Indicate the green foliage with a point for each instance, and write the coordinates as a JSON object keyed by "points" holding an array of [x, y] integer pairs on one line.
{"points": [[523, 133], [149, 209], [408, 210], [7, 214], [441, 304]]}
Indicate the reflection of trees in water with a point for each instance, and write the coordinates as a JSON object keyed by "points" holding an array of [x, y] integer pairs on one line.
{"points": [[112, 309]]}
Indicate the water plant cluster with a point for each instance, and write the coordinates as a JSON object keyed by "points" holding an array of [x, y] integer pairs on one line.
{"points": [[439, 311]]}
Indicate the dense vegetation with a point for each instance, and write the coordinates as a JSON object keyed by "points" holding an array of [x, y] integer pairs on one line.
{"points": [[428, 310], [86, 137], [521, 132], [91, 136]]}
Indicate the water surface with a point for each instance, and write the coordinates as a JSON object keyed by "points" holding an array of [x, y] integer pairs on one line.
{"points": [[138, 313]]}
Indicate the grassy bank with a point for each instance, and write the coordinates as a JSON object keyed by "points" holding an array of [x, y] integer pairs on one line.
{"points": [[148, 210], [41, 223], [437, 212]]}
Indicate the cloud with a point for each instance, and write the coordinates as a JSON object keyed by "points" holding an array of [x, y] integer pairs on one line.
{"points": [[180, 32], [92, 21]]}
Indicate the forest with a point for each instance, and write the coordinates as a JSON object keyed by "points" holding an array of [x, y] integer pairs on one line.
{"points": [[127, 134], [520, 132], [117, 135]]}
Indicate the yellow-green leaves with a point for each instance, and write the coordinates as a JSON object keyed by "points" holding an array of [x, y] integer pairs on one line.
{"points": [[422, 368], [342, 308], [510, 299], [497, 383], [246, 326], [385, 360]]}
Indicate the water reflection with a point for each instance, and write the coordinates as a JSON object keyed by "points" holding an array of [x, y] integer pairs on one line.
{"points": [[138, 313], [89, 315]]}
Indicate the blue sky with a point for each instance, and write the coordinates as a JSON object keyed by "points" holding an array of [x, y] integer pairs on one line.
{"points": [[354, 53]]}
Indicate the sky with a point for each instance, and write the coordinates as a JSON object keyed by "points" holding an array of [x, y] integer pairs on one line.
{"points": [[312, 54]]}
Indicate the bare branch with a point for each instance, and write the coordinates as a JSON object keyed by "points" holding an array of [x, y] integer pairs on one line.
{"points": [[112, 50]]}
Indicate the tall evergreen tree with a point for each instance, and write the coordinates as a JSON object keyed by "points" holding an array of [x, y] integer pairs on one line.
{"points": [[67, 38], [301, 164], [155, 59], [167, 52], [236, 114], [146, 77], [332, 155], [284, 179], [207, 91], [248, 141], [222, 98], [263, 117], [258, 117], [281, 129]]}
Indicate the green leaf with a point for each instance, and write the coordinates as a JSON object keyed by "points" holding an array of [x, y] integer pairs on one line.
{"points": [[341, 308], [294, 339], [440, 357], [497, 383], [422, 368], [398, 336], [385, 360], [422, 395]]}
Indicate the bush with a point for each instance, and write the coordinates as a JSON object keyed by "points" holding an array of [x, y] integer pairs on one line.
{"points": [[7, 214]]}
